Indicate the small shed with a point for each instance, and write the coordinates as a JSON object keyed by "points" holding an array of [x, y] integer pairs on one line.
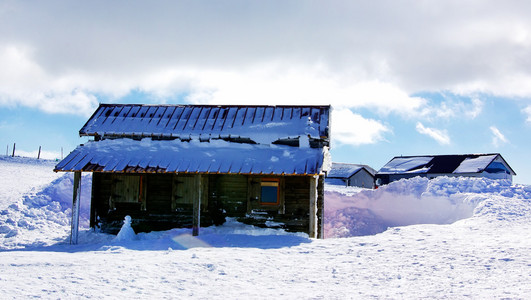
{"points": [[351, 175], [171, 166], [491, 165]]}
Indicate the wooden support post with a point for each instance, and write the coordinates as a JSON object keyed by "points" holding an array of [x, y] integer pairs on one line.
{"points": [[320, 207], [196, 222], [75, 208], [312, 232]]}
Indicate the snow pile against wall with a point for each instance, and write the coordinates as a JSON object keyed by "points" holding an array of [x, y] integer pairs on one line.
{"points": [[55, 200], [442, 200], [36, 203]]}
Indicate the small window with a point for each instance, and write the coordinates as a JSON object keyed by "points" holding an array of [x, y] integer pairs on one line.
{"points": [[269, 192], [497, 167]]}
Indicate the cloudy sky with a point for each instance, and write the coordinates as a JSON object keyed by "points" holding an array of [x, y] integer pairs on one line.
{"points": [[403, 77]]}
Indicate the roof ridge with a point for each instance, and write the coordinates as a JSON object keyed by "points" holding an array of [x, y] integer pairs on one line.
{"points": [[438, 155], [211, 105]]}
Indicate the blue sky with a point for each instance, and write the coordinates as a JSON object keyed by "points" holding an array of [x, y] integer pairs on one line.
{"points": [[403, 77]]}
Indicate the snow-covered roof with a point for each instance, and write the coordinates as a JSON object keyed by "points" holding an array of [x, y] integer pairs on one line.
{"points": [[176, 156], [344, 170], [475, 164], [410, 164], [442, 164], [261, 124]]}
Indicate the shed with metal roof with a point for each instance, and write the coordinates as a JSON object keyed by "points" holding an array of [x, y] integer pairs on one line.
{"points": [[351, 175], [491, 165], [171, 166]]}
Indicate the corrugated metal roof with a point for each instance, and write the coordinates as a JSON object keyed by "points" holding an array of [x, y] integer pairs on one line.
{"points": [[175, 156], [193, 120], [441, 164]]}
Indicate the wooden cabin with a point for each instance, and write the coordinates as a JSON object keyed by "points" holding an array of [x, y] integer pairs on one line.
{"points": [[171, 166], [491, 165]]}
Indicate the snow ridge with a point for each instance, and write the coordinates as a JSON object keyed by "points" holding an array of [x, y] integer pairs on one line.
{"points": [[442, 200]]}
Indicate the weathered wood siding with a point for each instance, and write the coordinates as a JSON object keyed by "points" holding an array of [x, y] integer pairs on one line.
{"points": [[320, 207], [185, 189], [230, 192], [101, 193], [159, 193], [297, 195], [291, 213], [164, 201], [126, 188]]}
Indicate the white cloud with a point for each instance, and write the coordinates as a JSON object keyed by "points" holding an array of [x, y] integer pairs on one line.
{"points": [[475, 109], [26, 83], [441, 136], [284, 83], [275, 82], [352, 129], [266, 52], [452, 108], [498, 138], [527, 111]]}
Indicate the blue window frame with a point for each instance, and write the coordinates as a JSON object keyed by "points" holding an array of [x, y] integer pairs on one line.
{"points": [[269, 194]]}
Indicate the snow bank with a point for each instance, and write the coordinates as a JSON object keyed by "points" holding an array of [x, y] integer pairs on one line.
{"points": [[442, 200], [36, 202], [41, 215], [484, 256]]}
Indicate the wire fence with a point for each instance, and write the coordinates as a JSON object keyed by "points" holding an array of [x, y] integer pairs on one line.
{"points": [[39, 154]]}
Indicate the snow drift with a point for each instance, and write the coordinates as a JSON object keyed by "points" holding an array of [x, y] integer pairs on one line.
{"points": [[348, 211], [485, 255], [443, 200]]}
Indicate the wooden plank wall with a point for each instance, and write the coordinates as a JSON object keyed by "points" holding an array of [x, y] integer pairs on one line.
{"points": [[320, 207], [101, 192], [230, 191], [159, 193], [168, 199], [297, 195], [126, 188], [183, 193]]}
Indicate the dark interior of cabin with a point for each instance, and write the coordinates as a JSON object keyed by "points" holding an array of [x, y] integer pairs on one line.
{"points": [[165, 201]]}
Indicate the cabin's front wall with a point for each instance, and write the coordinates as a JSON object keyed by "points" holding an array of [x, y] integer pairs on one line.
{"points": [[164, 201]]}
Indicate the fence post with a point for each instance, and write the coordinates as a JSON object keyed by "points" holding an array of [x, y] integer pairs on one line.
{"points": [[39, 155], [13, 150]]}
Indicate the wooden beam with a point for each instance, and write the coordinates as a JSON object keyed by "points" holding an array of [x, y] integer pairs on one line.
{"points": [[312, 232], [320, 207], [75, 208], [196, 222]]}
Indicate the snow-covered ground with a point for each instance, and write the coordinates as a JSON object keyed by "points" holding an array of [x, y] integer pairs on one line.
{"points": [[444, 238]]}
